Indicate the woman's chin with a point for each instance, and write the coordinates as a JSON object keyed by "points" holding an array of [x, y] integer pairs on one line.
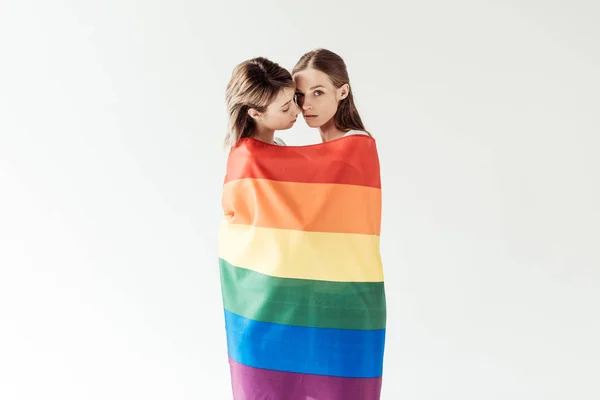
{"points": [[284, 127], [312, 122]]}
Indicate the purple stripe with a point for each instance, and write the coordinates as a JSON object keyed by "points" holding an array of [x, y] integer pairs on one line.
{"points": [[254, 383]]}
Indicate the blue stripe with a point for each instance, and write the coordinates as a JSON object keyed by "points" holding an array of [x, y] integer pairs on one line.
{"points": [[345, 353]]}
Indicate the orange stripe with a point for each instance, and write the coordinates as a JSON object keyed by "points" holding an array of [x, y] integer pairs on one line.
{"points": [[315, 207]]}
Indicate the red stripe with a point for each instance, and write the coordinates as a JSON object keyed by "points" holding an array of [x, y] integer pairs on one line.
{"points": [[349, 160], [254, 383]]}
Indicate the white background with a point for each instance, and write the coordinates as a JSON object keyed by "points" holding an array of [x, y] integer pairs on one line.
{"points": [[111, 122]]}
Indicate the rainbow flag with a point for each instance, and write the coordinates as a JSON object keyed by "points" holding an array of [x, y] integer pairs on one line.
{"points": [[301, 272]]}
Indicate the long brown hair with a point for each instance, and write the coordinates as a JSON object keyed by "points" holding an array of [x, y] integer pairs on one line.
{"points": [[255, 83], [347, 116]]}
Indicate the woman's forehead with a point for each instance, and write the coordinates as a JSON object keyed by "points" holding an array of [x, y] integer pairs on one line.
{"points": [[284, 96], [311, 77]]}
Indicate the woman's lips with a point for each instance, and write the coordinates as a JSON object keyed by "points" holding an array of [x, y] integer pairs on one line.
{"points": [[310, 116]]}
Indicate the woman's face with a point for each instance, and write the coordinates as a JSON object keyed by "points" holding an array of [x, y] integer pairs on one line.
{"points": [[317, 96], [281, 114]]}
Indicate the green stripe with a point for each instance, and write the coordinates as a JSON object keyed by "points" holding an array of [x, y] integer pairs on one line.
{"points": [[303, 302]]}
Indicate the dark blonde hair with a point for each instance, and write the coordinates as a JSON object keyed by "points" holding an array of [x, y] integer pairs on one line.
{"points": [[255, 83], [347, 116]]}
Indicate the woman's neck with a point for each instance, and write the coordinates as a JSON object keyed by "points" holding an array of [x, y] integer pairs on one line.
{"points": [[265, 135], [330, 132]]}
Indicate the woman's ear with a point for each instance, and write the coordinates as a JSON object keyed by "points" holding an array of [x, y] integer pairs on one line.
{"points": [[343, 91], [254, 114]]}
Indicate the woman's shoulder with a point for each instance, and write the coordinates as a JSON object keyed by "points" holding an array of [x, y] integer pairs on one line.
{"points": [[355, 132]]}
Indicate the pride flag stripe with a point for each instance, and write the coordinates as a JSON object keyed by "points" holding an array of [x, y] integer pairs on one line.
{"points": [[340, 352], [303, 302], [314, 207], [355, 162], [256, 383], [302, 255]]}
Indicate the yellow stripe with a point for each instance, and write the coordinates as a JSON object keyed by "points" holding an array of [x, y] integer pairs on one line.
{"points": [[339, 257]]}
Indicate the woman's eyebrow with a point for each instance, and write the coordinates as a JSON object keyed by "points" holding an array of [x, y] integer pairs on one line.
{"points": [[318, 86]]}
